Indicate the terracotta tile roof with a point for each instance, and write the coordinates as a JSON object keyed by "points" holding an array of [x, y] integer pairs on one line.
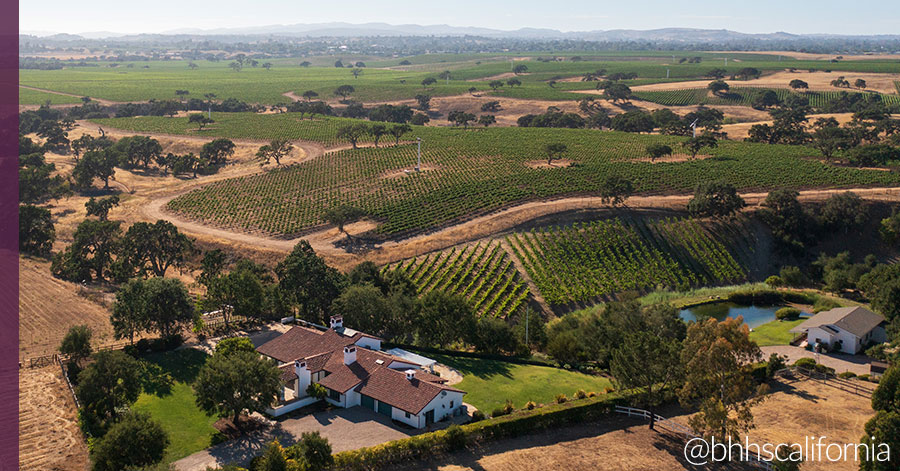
{"points": [[303, 342], [287, 372], [392, 387], [370, 374]]}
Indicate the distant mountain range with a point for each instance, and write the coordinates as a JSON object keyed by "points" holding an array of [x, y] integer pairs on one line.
{"points": [[384, 29]]}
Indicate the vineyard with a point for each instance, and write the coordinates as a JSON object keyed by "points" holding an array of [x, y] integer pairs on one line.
{"points": [[476, 171], [145, 80], [587, 261], [484, 274], [28, 96], [247, 126], [745, 96]]}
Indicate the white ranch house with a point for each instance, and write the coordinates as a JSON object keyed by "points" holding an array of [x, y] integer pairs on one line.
{"points": [[844, 329], [355, 372]]}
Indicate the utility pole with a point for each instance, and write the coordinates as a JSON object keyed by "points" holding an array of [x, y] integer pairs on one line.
{"points": [[418, 154]]}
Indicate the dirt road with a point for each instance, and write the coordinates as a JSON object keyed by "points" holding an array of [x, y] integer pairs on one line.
{"points": [[490, 225]]}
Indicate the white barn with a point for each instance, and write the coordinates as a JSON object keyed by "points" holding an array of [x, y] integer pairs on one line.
{"points": [[844, 329]]}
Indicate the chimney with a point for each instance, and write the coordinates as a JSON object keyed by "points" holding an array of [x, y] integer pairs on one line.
{"points": [[337, 322], [350, 354], [410, 374], [303, 377]]}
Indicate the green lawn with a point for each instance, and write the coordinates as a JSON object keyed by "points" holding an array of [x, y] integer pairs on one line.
{"points": [[775, 332], [489, 383], [172, 402]]}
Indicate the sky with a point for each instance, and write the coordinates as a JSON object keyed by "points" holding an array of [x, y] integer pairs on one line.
{"points": [[757, 16]]}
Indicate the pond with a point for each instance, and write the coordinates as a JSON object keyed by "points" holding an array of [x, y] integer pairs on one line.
{"points": [[754, 316]]}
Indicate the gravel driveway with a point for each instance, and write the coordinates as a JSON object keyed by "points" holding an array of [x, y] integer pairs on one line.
{"points": [[841, 362], [346, 429]]}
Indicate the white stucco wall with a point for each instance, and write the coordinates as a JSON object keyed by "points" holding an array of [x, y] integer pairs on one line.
{"points": [[413, 420], [281, 410], [441, 405], [818, 333], [370, 343], [352, 398], [340, 402], [849, 342]]}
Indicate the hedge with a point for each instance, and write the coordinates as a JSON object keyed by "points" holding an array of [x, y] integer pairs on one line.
{"points": [[427, 445], [765, 297]]}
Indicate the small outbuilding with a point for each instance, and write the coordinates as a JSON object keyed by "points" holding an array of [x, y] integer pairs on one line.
{"points": [[844, 329]]}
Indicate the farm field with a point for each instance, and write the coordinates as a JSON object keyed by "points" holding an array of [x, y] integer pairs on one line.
{"points": [[744, 96], [386, 80], [489, 383], [591, 260], [819, 80], [28, 96], [482, 273], [49, 436], [470, 172], [49, 306]]}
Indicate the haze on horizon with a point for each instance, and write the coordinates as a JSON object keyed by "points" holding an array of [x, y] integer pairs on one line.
{"points": [[762, 16]]}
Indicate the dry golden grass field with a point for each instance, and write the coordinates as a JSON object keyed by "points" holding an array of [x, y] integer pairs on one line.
{"points": [[790, 413]]}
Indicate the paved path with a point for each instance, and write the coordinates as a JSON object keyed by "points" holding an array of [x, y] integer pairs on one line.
{"points": [[841, 362], [346, 429]]}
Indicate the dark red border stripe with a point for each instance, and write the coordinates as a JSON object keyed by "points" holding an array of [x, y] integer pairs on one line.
{"points": [[9, 245]]}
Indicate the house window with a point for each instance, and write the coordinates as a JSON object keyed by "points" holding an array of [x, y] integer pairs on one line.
{"points": [[407, 415], [334, 395], [451, 404]]}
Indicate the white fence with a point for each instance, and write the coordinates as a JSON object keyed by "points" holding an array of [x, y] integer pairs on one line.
{"points": [[675, 427]]}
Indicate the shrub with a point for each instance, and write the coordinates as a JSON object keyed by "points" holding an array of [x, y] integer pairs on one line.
{"points": [[759, 371], [807, 363], [787, 313], [820, 368], [561, 398], [847, 375], [824, 304], [234, 344], [316, 390], [498, 412], [592, 394], [508, 408], [580, 394], [455, 438], [530, 405], [792, 276], [775, 363], [877, 352], [143, 345], [477, 416], [865, 377], [608, 390], [774, 281]]}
